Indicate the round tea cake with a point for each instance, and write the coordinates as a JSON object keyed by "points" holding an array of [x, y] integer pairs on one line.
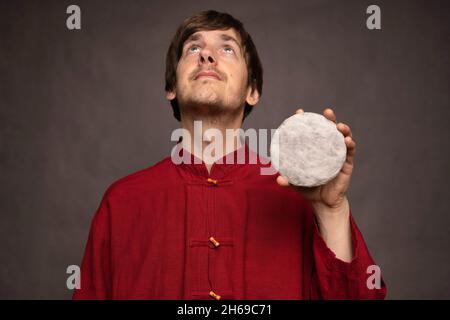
{"points": [[308, 149]]}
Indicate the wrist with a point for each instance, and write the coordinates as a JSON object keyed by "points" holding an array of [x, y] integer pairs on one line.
{"points": [[337, 210], [332, 217], [334, 226]]}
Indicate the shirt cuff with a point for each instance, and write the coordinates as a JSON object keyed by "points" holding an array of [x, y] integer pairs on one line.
{"points": [[330, 260]]}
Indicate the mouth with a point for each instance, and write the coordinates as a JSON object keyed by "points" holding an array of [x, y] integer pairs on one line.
{"points": [[207, 74]]}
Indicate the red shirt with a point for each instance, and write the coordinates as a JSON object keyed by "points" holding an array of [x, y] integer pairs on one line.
{"points": [[150, 239]]}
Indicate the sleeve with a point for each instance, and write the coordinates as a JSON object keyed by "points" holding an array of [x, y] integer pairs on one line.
{"points": [[96, 265], [336, 279]]}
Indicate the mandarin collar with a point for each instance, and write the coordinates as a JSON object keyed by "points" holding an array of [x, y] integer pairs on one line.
{"points": [[220, 169]]}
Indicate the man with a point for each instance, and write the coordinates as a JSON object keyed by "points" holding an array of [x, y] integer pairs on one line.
{"points": [[207, 229]]}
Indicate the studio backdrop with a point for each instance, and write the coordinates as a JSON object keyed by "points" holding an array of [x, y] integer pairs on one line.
{"points": [[82, 106]]}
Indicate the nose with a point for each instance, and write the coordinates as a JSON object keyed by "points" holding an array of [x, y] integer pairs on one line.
{"points": [[207, 57]]}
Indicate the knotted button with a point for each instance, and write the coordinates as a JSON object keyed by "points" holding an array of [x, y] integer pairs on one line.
{"points": [[214, 295], [212, 181], [214, 242]]}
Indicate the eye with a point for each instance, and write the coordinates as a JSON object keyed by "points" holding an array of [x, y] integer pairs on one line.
{"points": [[228, 50], [194, 48]]}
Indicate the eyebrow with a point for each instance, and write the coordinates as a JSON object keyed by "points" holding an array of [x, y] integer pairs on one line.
{"points": [[223, 36]]}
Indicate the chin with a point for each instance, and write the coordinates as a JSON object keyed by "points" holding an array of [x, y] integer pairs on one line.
{"points": [[207, 97]]}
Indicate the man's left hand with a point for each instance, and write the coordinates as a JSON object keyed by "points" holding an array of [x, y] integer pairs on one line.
{"points": [[332, 195]]}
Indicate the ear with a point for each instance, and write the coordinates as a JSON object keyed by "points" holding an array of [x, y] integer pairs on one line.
{"points": [[252, 95], [170, 95]]}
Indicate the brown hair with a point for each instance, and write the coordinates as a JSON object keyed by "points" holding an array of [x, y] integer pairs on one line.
{"points": [[212, 20]]}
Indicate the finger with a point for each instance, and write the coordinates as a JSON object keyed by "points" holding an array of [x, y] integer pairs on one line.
{"points": [[329, 114], [351, 149], [282, 181], [350, 143], [345, 129], [299, 111]]}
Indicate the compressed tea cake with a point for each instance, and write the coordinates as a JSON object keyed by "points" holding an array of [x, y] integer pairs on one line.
{"points": [[308, 149]]}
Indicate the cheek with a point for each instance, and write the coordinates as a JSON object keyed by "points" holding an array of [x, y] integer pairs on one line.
{"points": [[182, 73], [239, 78], [241, 74], [187, 62], [235, 73]]}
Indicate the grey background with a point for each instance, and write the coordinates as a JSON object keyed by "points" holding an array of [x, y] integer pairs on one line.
{"points": [[80, 109]]}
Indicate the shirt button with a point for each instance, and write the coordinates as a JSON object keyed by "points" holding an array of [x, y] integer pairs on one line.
{"points": [[214, 295], [214, 242]]}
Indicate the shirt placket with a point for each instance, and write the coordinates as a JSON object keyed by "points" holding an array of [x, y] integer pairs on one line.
{"points": [[212, 242]]}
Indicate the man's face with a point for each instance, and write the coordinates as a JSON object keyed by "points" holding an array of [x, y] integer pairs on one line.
{"points": [[212, 73]]}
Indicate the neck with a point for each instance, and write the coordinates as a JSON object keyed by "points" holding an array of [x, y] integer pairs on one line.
{"points": [[209, 139]]}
